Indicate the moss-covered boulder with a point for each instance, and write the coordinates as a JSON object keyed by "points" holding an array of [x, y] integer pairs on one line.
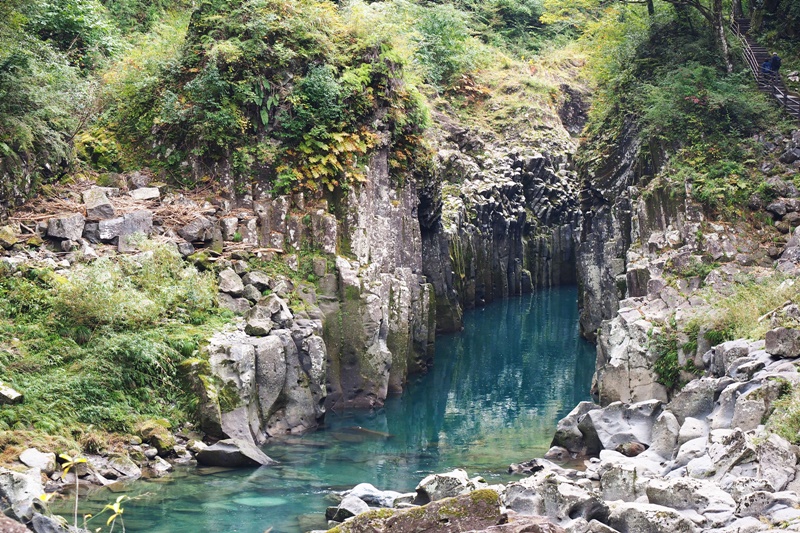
{"points": [[157, 433], [477, 510]]}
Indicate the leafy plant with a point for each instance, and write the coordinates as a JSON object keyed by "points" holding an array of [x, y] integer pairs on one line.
{"points": [[69, 462]]}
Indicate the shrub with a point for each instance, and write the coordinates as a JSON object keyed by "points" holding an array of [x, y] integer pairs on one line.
{"points": [[276, 113], [443, 44], [80, 28], [133, 291]]}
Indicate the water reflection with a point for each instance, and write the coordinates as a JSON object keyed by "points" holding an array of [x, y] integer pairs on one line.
{"points": [[492, 398]]}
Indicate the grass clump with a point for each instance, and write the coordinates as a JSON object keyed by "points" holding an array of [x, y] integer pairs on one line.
{"points": [[737, 314], [667, 366], [785, 417], [96, 352], [133, 291]]}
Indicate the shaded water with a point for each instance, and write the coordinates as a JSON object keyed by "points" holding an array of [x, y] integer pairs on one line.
{"points": [[492, 398]]}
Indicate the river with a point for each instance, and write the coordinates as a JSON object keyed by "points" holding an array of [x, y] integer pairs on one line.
{"points": [[493, 397]]}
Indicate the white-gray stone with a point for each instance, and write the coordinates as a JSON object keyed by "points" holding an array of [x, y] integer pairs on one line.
{"points": [[69, 227], [33, 458], [145, 193]]}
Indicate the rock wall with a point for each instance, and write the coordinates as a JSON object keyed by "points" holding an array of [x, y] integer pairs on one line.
{"points": [[647, 249], [506, 223], [379, 321]]}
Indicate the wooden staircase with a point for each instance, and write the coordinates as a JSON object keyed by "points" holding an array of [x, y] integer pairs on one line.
{"points": [[754, 55]]}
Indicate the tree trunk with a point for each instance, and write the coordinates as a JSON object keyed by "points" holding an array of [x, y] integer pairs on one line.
{"points": [[738, 12], [719, 32], [651, 10]]}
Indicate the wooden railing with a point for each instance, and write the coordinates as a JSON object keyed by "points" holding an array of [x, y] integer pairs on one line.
{"points": [[771, 83]]}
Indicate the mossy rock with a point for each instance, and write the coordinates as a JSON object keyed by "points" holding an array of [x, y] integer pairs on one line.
{"points": [[474, 511], [157, 433]]}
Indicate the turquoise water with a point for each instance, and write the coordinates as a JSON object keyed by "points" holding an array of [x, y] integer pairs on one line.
{"points": [[492, 398]]}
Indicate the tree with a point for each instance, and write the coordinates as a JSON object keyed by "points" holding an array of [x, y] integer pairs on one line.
{"points": [[713, 14]]}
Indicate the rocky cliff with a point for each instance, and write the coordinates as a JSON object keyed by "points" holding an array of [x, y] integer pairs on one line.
{"points": [[649, 254], [502, 220]]}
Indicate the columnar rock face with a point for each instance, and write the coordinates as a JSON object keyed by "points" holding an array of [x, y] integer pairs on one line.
{"points": [[379, 322], [257, 387], [607, 209], [498, 223]]}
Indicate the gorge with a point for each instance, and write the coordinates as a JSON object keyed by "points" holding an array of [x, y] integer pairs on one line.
{"points": [[360, 243]]}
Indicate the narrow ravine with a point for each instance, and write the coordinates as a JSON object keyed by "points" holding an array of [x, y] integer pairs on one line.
{"points": [[493, 398]]}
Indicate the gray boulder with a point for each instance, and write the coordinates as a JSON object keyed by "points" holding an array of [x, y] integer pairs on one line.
{"points": [[549, 494], [240, 306], [8, 236], [145, 193], [230, 282], [18, 491], [704, 497], [618, 424], [50, 524], [438, 486], [568, 434], [98, 206], [33, 458], [664, 436], [68, 227], [257, 327], [350, 506], [696, 399], [137, 180], [251, 293], [783, 342], [258, 279], [776, 461], [233, 453], [375, 497], [648, 518], [199, 229], [9, 395], [140, 221]]}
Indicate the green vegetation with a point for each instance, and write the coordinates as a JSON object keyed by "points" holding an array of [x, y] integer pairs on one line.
{"points": [[664, 76], [667, 366], [740, 314], [785, 417], [88, 350]]}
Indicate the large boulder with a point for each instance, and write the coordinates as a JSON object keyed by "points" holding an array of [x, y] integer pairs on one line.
{"points": [[568, 434], [9, 395], [438, 486], [8, 236], [97, 204], [648, 518], [199, 229], [783, 342], [68, 227], [33, 458], [145, 193], [706, 498], [619, 424], [230, 282], [696, 399], [776, 461], [474, 512], [18, 491], [233, 453], [258, 279], [375, 497], [158, 435], [349, 506], [548, 494]]}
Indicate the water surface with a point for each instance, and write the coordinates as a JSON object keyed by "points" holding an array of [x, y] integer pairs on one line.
{"points": [[492, 398]]}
